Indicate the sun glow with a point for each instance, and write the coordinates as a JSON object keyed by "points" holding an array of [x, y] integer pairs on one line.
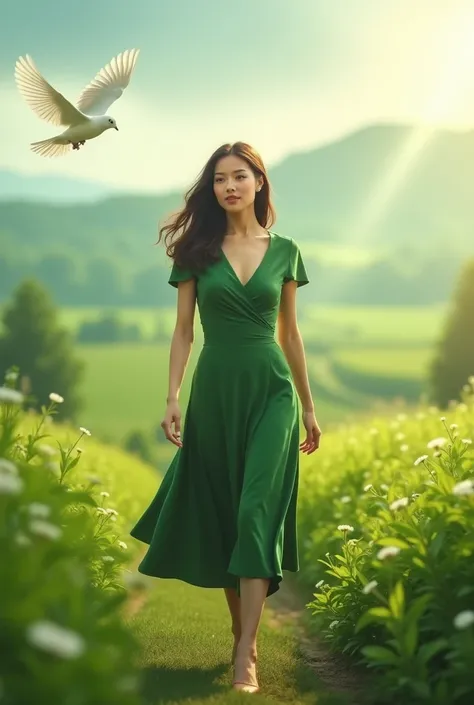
{"points": [[454, 88]]}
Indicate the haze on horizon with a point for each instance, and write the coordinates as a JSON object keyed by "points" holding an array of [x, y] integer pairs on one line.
{"points": [[284, 76]]}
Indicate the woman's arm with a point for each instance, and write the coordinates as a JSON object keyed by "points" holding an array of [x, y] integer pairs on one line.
{"points": [[183, 337], [290, 341]]}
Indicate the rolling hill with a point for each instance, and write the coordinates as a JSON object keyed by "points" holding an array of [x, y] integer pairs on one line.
{"points": [[421, 199]]}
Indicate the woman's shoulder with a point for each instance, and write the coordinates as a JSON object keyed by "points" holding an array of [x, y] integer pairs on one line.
{"points": [[280, 236], [286, 241]]}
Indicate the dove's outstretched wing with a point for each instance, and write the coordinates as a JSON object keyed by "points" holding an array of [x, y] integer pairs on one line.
{"points": [[46, 102], [109, 84]]}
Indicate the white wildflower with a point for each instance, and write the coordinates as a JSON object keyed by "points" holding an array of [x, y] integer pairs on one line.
{"points": [[10, 484], [464, 619], [369, 587], [464, 487], [85, 430], [436, 442], [55, 639], [101, 510], [79, 450], [368, 487], [45, 529], [442, 418], [8, 466], [104, 494], [111, 511], [320, 584], [123, 545], [467, 441], [345, 527], [10, 396], [56, 398], [388, 552], [453, 426], [420, 459], [399, 503], [36, 509], [108, 559]]}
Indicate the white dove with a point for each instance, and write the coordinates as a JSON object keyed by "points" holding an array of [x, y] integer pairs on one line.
{"points": [[84, 121]]}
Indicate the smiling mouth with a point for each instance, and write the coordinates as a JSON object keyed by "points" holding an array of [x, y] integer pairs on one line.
{"points": [[232, 198]]}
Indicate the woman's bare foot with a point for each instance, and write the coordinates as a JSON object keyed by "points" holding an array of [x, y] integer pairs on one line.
{"points": [[245, 668]]}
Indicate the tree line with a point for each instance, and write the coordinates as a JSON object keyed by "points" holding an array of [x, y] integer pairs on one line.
{"points": [[100, 281]]}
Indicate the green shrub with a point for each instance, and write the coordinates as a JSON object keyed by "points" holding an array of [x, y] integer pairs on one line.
{"points": [[62, 635], [386, 530]]}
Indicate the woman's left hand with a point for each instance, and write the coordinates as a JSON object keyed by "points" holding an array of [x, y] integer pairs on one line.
{"points": [[313, 433]]}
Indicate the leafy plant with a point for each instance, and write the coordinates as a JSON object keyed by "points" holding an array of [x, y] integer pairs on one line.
{"points": [[62, 634]]}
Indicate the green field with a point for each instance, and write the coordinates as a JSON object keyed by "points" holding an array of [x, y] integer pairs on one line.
{"points": [[125, 385], [411, 362]]}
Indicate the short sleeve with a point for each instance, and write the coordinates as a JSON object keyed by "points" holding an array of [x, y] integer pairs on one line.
{"points": [[296, 270], [179, 274]]}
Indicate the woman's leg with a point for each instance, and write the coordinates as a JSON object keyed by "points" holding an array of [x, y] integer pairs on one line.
{"points": [[233, 600], [253, 592]]}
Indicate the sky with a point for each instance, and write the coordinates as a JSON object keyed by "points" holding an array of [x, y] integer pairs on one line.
{"points": [[284, 75]]}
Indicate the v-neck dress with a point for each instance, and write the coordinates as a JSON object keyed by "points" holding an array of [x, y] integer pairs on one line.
{"points": [[226, 506]]}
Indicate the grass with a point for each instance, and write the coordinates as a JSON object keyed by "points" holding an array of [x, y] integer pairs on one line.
{"points": [[125, 386], [393, 363], [187, 644], [369, 324]]}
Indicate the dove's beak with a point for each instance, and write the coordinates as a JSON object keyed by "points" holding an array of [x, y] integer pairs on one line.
{"points": [[116, 128]]}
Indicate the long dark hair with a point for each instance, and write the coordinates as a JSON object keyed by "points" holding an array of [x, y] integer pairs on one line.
{"points": [[201, 224]]}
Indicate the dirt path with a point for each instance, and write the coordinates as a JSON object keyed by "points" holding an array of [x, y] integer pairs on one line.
{"points": [[287, 606]]}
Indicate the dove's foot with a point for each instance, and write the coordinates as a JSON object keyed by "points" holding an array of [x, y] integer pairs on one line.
{"points": [[77, 145]]}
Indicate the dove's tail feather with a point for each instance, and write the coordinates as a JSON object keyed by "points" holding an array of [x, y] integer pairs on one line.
{"points": [[50, 147]]}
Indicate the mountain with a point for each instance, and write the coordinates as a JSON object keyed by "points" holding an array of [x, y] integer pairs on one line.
{"points": [[50, 189], [381, 187]]}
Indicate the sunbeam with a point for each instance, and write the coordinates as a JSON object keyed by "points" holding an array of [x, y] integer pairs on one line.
{"points": [[453, 88]]}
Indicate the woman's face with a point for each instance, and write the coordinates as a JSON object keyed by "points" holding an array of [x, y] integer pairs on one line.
{"points": [[235, 184]]}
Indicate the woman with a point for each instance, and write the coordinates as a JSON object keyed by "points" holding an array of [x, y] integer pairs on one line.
{"points": [[225, 512]]}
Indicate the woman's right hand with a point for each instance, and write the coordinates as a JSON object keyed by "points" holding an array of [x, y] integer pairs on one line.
{"points": [[172, 417]]}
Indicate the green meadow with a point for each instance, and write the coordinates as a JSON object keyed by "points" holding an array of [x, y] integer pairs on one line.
{"points": [[358, 358]]}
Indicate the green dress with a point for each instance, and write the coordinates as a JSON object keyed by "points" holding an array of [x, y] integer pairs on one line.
{"points": [[226, 506]]}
